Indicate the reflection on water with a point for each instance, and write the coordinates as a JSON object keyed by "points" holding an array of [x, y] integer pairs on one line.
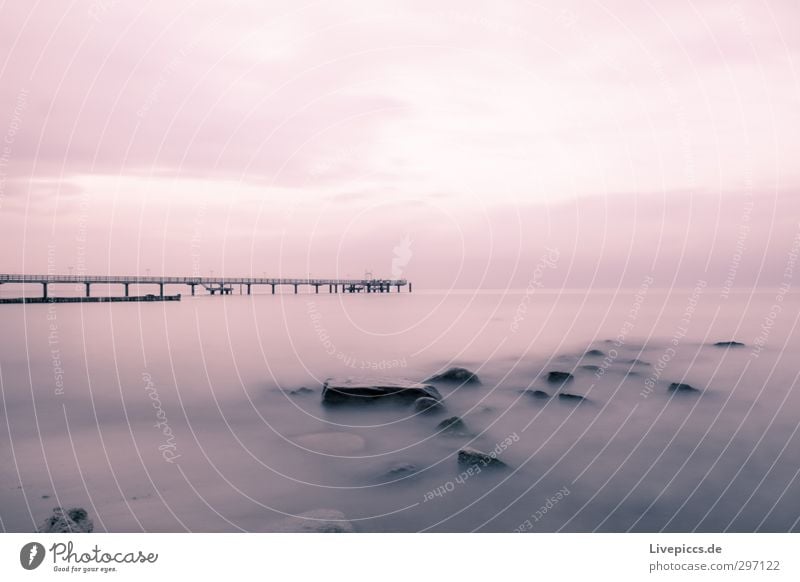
{"points": [[190, 415]]}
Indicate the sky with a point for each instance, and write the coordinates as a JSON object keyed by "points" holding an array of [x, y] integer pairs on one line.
{"points": [[455, 144]]}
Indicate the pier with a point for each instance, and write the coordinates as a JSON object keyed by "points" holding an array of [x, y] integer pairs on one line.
{"points": [[210, 285]]}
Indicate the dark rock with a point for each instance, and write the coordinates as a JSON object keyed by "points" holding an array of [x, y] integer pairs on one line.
{"points": [[300, 391], [729, 344], [469, 457], [590, 367], [427, 405], [316, 521], [453, 426], [574, 398], [366, 390], [72, 520], [595, 353], [538, 394], [559, 377], [456, 376], [683, 388]]}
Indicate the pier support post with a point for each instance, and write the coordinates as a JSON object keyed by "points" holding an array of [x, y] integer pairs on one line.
{"points": [[398, 288], [409, 287], [295, 289], [273, 289], [248, 288], [87, 289], [316, 289], [44, 289], [161, 289], [192, 286], [126, 289]]}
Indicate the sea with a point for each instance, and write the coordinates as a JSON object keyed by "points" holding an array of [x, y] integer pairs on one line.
{"points": [[206, 414]]}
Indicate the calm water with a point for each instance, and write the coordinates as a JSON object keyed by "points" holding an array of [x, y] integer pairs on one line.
{"points": [[85, 386]]}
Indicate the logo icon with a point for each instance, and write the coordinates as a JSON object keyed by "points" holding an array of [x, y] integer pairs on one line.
{"points": [[31, 555]]}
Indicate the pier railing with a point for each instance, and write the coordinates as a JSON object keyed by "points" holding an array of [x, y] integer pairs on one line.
{"points": [[214, 285]]}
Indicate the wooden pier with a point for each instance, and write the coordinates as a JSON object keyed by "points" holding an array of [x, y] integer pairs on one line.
{"points": [[211, 285]]}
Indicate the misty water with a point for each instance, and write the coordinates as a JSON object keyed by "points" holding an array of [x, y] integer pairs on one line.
{"points": [[180, 417]]}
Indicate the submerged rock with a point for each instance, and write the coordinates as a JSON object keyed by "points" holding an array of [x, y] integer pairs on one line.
{"points": [[590, 367], [369, 390], [300, 391], [456, 376], [316, 521], [729, 344], [573, 398], [635, 361], [469, 457], [427, 405], [453, 426], [400, 470], [559, 377], [683, 388], [72, 520], [538, 394], [595, 353]]}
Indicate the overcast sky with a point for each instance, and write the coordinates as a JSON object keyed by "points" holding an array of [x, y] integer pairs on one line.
{"points": [[452, 143]]}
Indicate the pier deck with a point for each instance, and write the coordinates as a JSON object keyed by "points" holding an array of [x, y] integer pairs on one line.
{"points": [[212, 285]]}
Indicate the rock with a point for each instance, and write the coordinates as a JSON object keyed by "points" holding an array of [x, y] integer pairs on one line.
{"points": [[590, 367], [456, 376], [399, 471], [559, 377], [682, 388], [595, 353], [453, 426], [300, 391], [332, 443], [469, 457], [316, 521], [538, 394], [427, 405], [369, 390], [72, 520], [573, 398], [636, 362], [729, 344]]}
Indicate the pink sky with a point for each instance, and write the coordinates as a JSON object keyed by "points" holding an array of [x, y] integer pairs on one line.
{"points": [[467, 137]]}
